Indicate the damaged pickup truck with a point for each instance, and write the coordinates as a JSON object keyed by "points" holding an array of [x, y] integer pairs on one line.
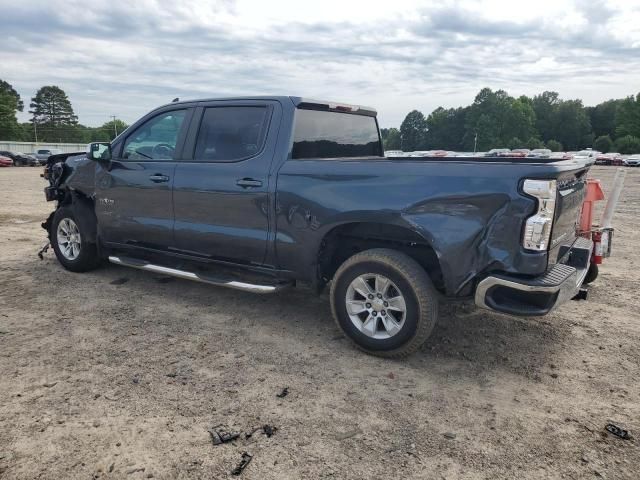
{"points": [[263, 193]]}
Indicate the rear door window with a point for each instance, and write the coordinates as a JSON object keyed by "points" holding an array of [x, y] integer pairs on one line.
{"points": [[322, 134], [230, 134]]}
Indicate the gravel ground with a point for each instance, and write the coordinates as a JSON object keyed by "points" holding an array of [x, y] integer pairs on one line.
{"points": [[118, 373]]}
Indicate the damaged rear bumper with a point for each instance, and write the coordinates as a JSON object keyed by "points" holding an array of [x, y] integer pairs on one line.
{"points": [[539, 295]]}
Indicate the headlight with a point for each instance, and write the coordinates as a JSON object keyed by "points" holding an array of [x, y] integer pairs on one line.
{"points": [[537, 230]]}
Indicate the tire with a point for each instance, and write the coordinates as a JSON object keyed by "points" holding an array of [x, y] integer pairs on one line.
{"points": [[592, 274], [404, 278], [85, 256], [17, 163]]}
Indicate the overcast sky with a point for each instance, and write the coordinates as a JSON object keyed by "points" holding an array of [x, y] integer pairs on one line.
{"points": [[125, 58]]}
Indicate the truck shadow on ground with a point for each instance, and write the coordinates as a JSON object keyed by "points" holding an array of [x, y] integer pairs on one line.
{"points": [[483, 341]]}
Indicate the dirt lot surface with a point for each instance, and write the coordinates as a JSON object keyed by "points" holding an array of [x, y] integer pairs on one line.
{"points": [[118, 374]]}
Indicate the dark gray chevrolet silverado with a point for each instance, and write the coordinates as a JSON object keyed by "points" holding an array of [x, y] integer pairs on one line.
{"points": [[262, 193]]}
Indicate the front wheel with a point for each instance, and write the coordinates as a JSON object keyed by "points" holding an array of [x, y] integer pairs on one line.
{"points": [[71, 244], [384, 301]]}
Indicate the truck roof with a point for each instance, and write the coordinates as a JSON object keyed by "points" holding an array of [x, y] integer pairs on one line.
{"points": [[298, 102]]}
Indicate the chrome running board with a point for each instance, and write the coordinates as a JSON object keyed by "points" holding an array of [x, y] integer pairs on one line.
{"points": [[211, 280]]}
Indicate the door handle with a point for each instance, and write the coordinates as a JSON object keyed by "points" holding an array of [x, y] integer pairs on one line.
{"points": [[159, 178], [248, 182]]}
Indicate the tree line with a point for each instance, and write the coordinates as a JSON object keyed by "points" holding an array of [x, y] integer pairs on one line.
{"points": [[497, 120], [52, 119]]}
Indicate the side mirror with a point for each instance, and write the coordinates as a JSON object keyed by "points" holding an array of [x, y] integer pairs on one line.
{"points": [[99, 151]]}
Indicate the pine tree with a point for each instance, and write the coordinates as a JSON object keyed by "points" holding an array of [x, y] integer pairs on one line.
{"points": [[53, 115]]}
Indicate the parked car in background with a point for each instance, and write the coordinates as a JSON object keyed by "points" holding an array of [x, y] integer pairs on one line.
{"points": [[540, 153], [5, 161], [20, 159], [515, 153], [394, 153], [42, 154], [562, 155], [610, 159], [495, 152], [632, 161], [588, 153], [616, 159]]}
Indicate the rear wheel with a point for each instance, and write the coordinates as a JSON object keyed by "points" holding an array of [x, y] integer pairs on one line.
{"points": [[384, 301], [70, 243], [592, 274]]}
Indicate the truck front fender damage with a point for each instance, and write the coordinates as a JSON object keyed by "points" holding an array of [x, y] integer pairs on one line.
{"points": [[61, 172]]}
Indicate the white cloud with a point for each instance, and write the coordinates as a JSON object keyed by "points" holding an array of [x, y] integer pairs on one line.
{"points": [[126, 58]]}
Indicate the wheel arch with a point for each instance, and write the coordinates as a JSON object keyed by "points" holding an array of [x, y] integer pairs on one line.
{"points": [[347, 239], [83, 208]]}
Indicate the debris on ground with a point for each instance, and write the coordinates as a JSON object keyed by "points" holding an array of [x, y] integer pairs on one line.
{"points": [[348, 434], [119, 281], [391, 375], [618, 431], [134, 470], [283, 393], [449, 435], [220, 434], [43, 250], [244, 461], [49, 384], [268, 430]]}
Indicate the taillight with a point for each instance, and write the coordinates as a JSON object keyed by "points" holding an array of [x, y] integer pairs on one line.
{"points": [[537, 230]]}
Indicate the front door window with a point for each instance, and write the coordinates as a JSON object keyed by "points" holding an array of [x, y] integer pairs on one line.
{"points": [[155, 139]]}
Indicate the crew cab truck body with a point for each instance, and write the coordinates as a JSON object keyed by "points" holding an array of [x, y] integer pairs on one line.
{"points": [[262, 193]]}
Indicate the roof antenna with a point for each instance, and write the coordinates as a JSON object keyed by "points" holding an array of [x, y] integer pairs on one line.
{"points": [[175, 100]]}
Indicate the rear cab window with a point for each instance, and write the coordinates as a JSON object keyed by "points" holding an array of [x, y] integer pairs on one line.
{"points": [[330, 134]]}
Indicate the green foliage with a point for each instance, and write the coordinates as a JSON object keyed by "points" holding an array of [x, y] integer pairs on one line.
{"points": [[391, 139], [545, 108], [603, 143], [571, 124], [515, 142], [115, 127], [444, 127], [554, 145], [628, 117], [7, 89], [534, 143], [413, 132], [603, 118], [497, 118], [627, 144], [10, 103]]}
